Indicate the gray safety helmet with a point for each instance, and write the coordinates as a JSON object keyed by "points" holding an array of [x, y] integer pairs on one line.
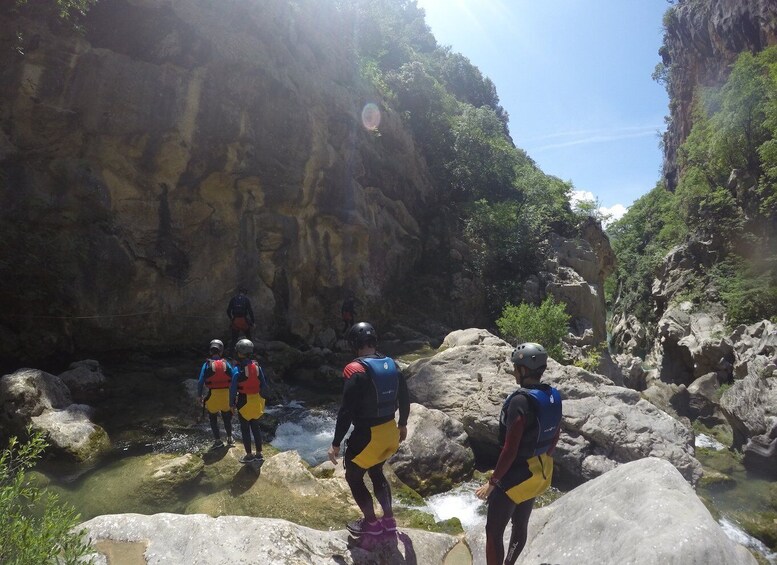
{"points": [[245, 347], [530, 355], [361, 334], [218, 345]]}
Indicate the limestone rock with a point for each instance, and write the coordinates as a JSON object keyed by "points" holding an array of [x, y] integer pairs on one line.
{"points": [[760, 453], [27, 393], [646, 502], [174, 538], [470, 383], [71, 432], [85, 380], [436, 454]]}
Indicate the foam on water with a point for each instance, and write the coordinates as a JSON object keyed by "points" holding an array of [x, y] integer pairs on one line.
{"points": [[309, 433], [708, 442], [460, 503], [734, 532]]}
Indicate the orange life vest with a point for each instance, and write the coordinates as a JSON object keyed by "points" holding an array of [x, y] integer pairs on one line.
{"points": [[219, 377], [248, 381]]}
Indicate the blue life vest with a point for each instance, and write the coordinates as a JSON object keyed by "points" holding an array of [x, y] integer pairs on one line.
{"points": [[547, 410], [385, 378]]}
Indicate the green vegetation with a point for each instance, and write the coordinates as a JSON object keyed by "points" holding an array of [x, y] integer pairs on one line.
{"points": [[591, 361], [34, 525], [545, 324], [503, 203], [726, 196]]}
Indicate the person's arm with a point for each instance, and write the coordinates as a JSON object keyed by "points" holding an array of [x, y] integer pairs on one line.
{"points": [[201, 379], [345, 414], [233, 386], [230, 306], [516, 418]]}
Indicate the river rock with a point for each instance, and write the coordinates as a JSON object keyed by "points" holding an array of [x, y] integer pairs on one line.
{"points": [[175, 538], [760, 454], [750, 405], [755, 348], [85, 380], [436, 454], [71, 432], [470, 383], [642, 512], [27, 393]]}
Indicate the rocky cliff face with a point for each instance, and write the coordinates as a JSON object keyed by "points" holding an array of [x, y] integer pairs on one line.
{"points": [[180, 149], [702, 39]]}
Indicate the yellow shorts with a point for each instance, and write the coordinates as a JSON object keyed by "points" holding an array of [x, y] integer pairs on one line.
{"points": [[253, 407], [540, 470], [217, 400], [382, 443]]}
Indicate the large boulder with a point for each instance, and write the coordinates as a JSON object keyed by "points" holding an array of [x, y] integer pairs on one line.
{"points": [[71, 432], [691, 344], [36, 399], [436, 454], [85, 380], [760, 454], [641, 512], [175, 538], [750, 405], [27, 393], [603, 426]]}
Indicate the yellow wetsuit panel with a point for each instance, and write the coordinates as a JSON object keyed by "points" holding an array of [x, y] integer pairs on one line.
{"points": [[541, 469], [384, 442], [253, 408], [218, 400]]}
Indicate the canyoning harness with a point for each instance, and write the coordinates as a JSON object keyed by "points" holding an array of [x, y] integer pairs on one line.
{"points": [[218, 378], [384, 374], [547, 409], [248, 382]]}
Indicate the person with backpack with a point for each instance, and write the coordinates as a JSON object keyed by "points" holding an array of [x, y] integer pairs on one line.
{"points": [[529, 427], [216, 374], [373, 389], [247, 396], [241, 316]]}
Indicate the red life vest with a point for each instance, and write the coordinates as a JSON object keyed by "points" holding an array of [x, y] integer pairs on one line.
{"points": [[219, 377], [248, 381]]}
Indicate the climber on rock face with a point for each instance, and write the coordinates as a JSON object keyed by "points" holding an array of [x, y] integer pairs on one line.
{"points": [[241, 316], [529, 427]]}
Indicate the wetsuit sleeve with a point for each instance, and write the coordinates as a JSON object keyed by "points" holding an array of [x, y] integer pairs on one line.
{"points": [[404, 400], [516, 422], [231, 305], [233, 385], [201, 380], [263, 388], [352, 374]]}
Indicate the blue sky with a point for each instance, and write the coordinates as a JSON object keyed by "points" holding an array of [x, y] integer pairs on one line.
{"points": [[574, 75]]}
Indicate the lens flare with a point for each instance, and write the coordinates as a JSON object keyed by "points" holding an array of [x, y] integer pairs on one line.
{"points": [[371, 116]]}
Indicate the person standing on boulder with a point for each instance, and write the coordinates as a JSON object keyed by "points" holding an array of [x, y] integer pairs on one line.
{"points": [[529, 426], [247, 395], [216, 374], [241, 316], [373, 389]]}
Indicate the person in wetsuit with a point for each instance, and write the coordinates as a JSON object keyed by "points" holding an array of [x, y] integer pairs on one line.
{"points": [[216, 374], [529, 426], [373, 389], [247, 395], [241, 317]]}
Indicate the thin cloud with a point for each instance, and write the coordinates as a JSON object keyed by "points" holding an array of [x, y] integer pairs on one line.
{"points": [[597, 131], [599, 138]]}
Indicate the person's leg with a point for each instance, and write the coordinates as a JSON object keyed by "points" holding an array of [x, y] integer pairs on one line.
{"points": [[500, 508], [257, 433], [245, 431], [354, 475], [520, 520], [227, 417], [382, 489], [214, 425]]}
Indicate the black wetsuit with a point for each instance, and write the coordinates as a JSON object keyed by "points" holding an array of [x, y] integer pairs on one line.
{"points": [[359, 402]]}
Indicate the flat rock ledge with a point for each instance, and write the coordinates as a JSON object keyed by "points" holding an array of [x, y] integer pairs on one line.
{"points": [[192, 539]]}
